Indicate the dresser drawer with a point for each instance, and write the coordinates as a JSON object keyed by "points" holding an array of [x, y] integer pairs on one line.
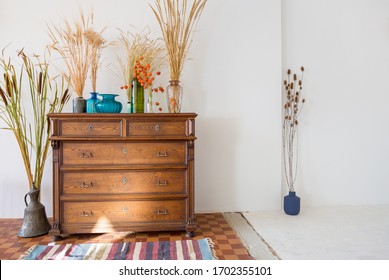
{"points": [[124, 182], [155, 128], [101, 213], [123, 153], [90, 128]]}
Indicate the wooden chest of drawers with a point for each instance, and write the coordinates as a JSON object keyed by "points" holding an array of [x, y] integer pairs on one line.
{"points": [[122, 172]]}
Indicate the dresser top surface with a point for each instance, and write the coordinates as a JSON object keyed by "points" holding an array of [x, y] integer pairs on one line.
{"points": [[144, 116]]}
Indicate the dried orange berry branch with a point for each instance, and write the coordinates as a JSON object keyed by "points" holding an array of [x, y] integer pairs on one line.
{"points": [[145, 77]]}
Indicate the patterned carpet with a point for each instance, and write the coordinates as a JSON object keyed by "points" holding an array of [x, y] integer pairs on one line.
{"points": [[227, 245]]}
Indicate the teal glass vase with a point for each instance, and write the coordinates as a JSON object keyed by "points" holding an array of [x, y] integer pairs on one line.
{"points": [[138, 97], [90, 103], [108, 104]]}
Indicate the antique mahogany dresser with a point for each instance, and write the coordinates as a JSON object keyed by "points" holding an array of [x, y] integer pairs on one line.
{"points": [[122, 172]]}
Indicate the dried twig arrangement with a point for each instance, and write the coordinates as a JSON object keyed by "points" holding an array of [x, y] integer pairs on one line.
{"points": [[293, 106], [177, 22]]}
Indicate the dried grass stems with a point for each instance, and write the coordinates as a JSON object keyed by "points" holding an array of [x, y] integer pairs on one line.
{"points": [[80, 47], [177, 22], [294, 103], [97, 44], [136, 45], [46, 96]]}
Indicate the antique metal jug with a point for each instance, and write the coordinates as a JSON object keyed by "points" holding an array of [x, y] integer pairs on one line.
{"points": [[35, 221]]}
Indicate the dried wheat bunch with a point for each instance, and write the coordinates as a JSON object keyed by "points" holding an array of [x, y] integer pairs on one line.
{"points": [[97, 44], [71, 43], [177, 22]]}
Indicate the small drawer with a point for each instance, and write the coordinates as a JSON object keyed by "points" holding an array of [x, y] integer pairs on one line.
{"points": [[124, 182], [103, 212], [123, 153], [163, 128], [95, 128]]}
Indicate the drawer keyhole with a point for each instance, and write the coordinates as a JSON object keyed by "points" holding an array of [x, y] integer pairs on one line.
{"points": [[90, 127], [125, 180], [157, 127], [162, 212], [124, 150]]}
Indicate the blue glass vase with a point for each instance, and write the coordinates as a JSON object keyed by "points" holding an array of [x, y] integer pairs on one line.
{"points": [[291, 204], [90, 103], [108, 104]]}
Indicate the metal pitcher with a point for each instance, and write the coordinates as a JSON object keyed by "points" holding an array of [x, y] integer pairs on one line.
{"points": [[35, 221]]}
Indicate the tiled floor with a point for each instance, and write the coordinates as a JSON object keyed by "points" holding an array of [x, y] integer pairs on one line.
{"points": [[227, 245]]}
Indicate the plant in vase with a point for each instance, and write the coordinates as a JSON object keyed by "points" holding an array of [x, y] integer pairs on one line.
{"points": [[138, 44], [73, 46], [97, 44], [46, 96], [177, 24], [293, 105]]}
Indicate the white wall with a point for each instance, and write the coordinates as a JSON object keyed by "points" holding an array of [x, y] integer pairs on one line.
{"points": [[344, 134], [232, 82]]}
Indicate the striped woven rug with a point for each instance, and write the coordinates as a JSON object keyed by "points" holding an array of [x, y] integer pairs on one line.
{"points": [[201, 249]]}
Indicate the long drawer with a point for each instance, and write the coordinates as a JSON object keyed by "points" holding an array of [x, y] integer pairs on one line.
{"points": [[124, 211], [124, 182], [101, 153]]}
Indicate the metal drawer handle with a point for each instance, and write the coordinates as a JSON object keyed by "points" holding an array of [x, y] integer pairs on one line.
{"points": [[162, 154], [161, 183], [90, 127], [163, 212], [86, 213], [125, 180], [86, 185], [157, 127], [86, 155]]}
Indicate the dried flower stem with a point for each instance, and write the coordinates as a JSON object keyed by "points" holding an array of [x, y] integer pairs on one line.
{"points": [[294, 103]]}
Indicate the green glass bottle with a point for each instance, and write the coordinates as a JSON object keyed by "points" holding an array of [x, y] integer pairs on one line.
{"points": [[138, 97]]}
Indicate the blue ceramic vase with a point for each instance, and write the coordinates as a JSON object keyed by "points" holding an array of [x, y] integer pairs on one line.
{"points": [[291, 204], [90, 103], [108, 104]]}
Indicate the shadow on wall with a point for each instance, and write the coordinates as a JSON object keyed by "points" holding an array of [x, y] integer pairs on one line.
{"points": [[215, 171]]}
